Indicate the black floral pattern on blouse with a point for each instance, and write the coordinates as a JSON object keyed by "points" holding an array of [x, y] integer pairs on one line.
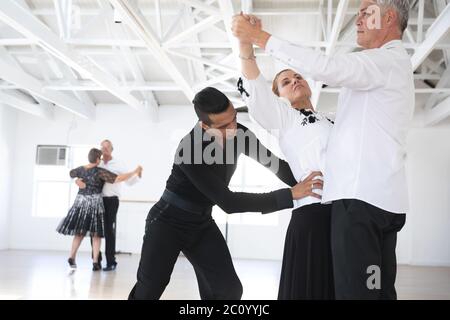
{"points": [[240, 87], [310, 117]]}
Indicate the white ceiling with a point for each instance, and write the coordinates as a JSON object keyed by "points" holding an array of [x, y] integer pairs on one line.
{"points": [[72, 54]]}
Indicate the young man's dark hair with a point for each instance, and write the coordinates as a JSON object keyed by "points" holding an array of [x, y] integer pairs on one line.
{"points": [[209, 101]]}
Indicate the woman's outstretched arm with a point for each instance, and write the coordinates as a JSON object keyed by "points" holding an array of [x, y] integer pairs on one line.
{"points": [[126, 176]]}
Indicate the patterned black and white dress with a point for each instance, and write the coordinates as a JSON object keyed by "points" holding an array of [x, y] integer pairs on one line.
{"points": [[85, 217]]}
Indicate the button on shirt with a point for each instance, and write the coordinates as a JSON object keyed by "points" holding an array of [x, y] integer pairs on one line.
{"points": [[302, 135], [114, 189], [366, 151]]}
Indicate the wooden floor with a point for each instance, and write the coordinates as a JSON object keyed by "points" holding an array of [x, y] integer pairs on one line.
{"points": [[44, 275]]}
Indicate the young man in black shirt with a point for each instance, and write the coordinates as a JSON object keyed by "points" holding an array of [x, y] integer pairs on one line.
{"points": [[181, 220]]}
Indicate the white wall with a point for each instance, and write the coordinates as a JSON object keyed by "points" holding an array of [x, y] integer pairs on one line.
{"points": [[424, 240], [8, 123]]}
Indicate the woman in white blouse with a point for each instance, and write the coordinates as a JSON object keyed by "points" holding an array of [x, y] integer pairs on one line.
{"points": [[286, 112]]}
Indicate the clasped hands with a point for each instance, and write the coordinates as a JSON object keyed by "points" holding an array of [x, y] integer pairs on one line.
{"points": [[248, 29]]}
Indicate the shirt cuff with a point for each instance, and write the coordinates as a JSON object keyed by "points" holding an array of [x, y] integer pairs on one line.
{"points": [[273, 45], [132, 181], [283, 199]]}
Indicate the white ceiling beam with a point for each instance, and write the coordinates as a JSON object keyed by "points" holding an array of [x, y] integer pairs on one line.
{"points": [[434, 34], [139, 25], [348, 36], [438, 113], [150, 100], [226, 8], [175, 24], [24, 22], [409, 35], [443, 82], [21, 103], [197, 67], [433, 66], [420, 16], [332, 42], [85, 29], [225, 82], [167, 86], [41, 65], [63, 9], [260, 12], [247, 6], [221, 58], [209, 9], [90, 86], [417, 90], [329, 18], [427, 76], [16, 42], [203, 60], [27, 82], [196, 28], [159, 28], [72, 77], [215, 80], [322, 20], [106, 42], [337, 26], [170, 86], [118, 31], [102, 42], [439, 6], [44, 105]]}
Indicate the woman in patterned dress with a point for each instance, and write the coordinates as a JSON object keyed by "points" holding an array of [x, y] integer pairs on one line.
{"points": [[85, 217]]}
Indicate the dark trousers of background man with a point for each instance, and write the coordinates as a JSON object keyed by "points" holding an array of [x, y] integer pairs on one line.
{"points": [[364, 238], [111, 205]]}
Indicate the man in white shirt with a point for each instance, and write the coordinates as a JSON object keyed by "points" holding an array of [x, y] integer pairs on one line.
{"points": [[365, 166], [111, 194]]}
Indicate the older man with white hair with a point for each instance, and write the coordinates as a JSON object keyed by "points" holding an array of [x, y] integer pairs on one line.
{"points": [[365, 167]]}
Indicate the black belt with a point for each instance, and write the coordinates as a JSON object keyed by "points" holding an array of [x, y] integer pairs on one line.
{"points": [[183, 204]]}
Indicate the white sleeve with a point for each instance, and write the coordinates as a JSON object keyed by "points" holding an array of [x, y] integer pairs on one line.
{"points": [[364, 70], [265, 107], [121, 169], [132, 181]]}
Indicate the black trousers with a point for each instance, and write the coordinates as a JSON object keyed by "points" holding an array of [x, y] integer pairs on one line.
{"points": [[169, 231], [363, 239], [111, 207]]}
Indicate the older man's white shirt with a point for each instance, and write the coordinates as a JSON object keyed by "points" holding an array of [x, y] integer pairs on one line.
{"points": [[366, 150], [117, 167]]}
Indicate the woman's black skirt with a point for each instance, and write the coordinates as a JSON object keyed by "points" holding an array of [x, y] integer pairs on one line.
{"points": [[307, 270], [85, 217]]}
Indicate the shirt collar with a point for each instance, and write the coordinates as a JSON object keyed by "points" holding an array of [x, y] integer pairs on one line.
{"points": [[392, 43]]}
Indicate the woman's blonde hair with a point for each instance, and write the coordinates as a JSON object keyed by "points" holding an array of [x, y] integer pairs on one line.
{"points": [[275, 82]]}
